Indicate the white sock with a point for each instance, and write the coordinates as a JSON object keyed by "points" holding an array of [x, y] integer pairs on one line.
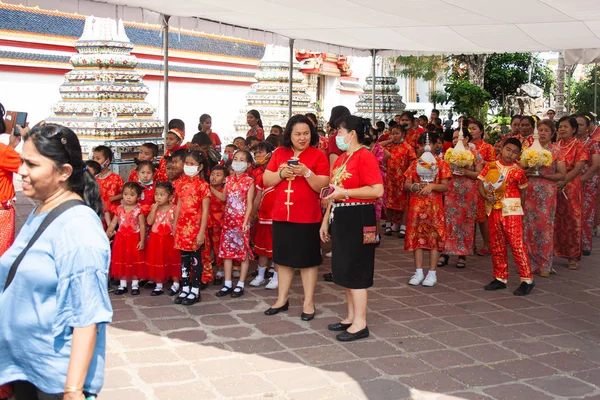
{"points": [[196, 290], [261, 271], [175, 286], [240, 284], [419, 272], [275, 275], [185, 289], [432, 273], [135, 284], [159, 286], [123, 283], [228, 284]]}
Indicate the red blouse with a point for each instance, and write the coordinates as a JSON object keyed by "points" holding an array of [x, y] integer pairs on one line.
{"points": [[192, 192], [295, 201], [257, 131], [361, 169], [9, 164], [332, 146]]}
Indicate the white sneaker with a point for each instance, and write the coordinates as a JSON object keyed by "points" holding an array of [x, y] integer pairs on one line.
{"points": [[429, 280], [416, 280], [258, 281], [273, 284], [328, 255]]}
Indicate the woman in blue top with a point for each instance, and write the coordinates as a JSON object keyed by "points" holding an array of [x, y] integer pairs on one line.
{"points": [[53, 315]]}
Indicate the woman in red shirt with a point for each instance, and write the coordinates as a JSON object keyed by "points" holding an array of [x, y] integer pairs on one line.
{"points": [[298, 171], [205, 126], [357, 185], [256, 126]]}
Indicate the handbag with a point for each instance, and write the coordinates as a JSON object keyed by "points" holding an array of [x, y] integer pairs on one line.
{"points": [[369, 232], [52, 215]]}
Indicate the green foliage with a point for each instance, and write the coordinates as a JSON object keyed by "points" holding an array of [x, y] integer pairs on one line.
{"points": [[582, 92], [438, 97], [469, 99], [427, 68]]}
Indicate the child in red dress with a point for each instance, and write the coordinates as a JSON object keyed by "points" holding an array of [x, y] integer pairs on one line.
{"points": [[110, 184], [148, 152], [127, 250], [235, 234], [215, 218], [145, 173], [162, 260], [191, 219], [426, 224]]}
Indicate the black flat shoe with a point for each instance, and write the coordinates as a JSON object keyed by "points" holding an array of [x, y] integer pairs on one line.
{"points": [[587, 253], [495, 285], [135, 291], [120, 291], [307, 317], [338, 327], [179, 299], [443, 261], [157, 292], [238, 291], [223, 292], [277, 310], [350, 337], [524, 289], [218, 281], [328, 277], [188, 302], [172, 292]]}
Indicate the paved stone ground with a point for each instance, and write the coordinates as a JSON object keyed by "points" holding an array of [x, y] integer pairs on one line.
{"points": [[451, 341]]}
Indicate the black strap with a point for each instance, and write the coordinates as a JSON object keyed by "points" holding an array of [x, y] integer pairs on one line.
{"points": [[52, 215]]}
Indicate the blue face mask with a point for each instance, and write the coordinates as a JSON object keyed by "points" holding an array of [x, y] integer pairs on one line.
{"points": [[341, 144]]}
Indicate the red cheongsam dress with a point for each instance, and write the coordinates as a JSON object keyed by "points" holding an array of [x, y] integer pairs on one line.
{"points": [[263, 237], [126, 259], [235, 244], [162, 260], [402, 154], [215, 222], [488, 154], [110, 186]]}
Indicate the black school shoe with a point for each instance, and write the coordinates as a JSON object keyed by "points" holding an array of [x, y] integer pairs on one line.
{"points": [[224, 291], [179, 299], [120, 291], [135, 291], [524, 289], [191, 301], [495, 285], [351, 337], [238, 291], [157, 292]]}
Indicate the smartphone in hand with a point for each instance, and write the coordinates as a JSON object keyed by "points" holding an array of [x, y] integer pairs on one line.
{"points": [[15, 118], [326, 191], [292, 162]]}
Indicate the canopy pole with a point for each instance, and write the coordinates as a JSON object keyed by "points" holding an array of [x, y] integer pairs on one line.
{"points": [[596, 88], [291, 82], [165, 26], [374, 53], [569, 75]]}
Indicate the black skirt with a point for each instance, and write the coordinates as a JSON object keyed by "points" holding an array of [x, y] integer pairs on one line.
{"points": [[296, 245], [352, 262]]}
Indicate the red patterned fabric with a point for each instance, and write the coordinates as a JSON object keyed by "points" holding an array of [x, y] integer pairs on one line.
{"points": [[126, 259], [215, 221], [146, 199], [235, 244], [402, 155], [159, 175], [425, 226], [590, 193], [162, 260], [7, 233], [191, 193], [110, 186], [487, 153], [257, 131], [509, 230], [412, 137], [569, 207], [323, 144]]}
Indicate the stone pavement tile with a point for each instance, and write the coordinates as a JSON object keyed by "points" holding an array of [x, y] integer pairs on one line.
{"points": [[166, 373], [219, 320], [576, 309], [419, 301], [114, 360], [399, 365], [391, 330], [195, 352], [568, 341], [404, 314], [529, 347], [507, 317], [431, 325], [192, 335], [591, 376], [536, 329], [212, 369], [127, 328], [583, 296], [300, 340], [236, 332], [478, 376], [279, 328], [489, 353], [562, 386], [515, 303], [454, 297], [325, 354], [299, 379], [413, 344], [525, 369], [469, 321], [325, 393], [591, 335], [208, 309], [516, 391], [497, 333], [273, 361], [566, 362], [329, 298], [443, 310], [442, 359], [195, 390], [258, 346], [119, 394], [398, 292], [174, 324], [571, 324], [258, 318], [144, 300], [479, 307], [350, 371], [151, 357], [550, 299], [252, 385], [380, 389], [384, 304], [366, 349], [541, 313], [117, 378], [124, 315], [165, 312], [246, 304], [120, 303], [471, 396], [459, 338], [435, 381], [141, 341]]}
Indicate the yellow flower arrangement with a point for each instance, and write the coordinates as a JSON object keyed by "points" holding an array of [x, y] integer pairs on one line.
{"points": [[533, 158], [460, 159]]}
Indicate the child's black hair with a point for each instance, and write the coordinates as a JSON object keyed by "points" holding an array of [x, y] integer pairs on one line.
{"points": [[251, 139], [136, 187], [266, 146], [513, 141], [140, 164], [179, 153], [247, 153], [93, 167], [200, 159], [166, 186], [152, 147], [221, 168], [106, 152], [239, 137], [231, 145], [433, 138], [278, 127], [177, 123]]}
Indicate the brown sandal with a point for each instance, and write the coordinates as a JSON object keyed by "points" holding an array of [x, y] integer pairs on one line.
{"points": [[573, 265]]}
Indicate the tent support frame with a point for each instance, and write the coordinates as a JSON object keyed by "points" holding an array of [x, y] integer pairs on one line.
{"points": [[165, 26], [374, 55], [291, 82]]}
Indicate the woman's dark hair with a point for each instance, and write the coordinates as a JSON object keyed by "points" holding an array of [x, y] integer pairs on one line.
{"points": [[166, 186], [586, 117], [408, 114], [466, 134], [246, 153], [515, 142], [153, 147], [202, 139], [300, 119], [591, 117], [517, 116], [136, 187], [61, 145], [430, 127], [380, 126], [106, 152], [2, 124], [177, 123], [94, 166], [572, 121], [203, 118], [449, 134], [274, 140], [221, 168], [150, 164], [265, 146], [479, 125], [337, 113], [433, 138], [200, 159], [256, 115], [530, 119], [392, 124], [312, 117], [232, 145], [357, 124]]}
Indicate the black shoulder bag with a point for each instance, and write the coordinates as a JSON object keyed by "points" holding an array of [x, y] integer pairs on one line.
{"points": [[45, 223]]}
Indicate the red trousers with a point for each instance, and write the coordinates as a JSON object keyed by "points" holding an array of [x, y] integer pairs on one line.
{"points": [[509, 230]]}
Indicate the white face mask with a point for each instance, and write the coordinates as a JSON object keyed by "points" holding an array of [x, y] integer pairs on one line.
{"points": [[191, 170], [239, 166]]}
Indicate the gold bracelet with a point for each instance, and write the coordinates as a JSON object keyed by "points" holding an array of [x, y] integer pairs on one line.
{"points": [[72, 389]]}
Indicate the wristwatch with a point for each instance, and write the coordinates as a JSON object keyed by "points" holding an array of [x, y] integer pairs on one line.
{"points": [[308, 174], [346, 194]]}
